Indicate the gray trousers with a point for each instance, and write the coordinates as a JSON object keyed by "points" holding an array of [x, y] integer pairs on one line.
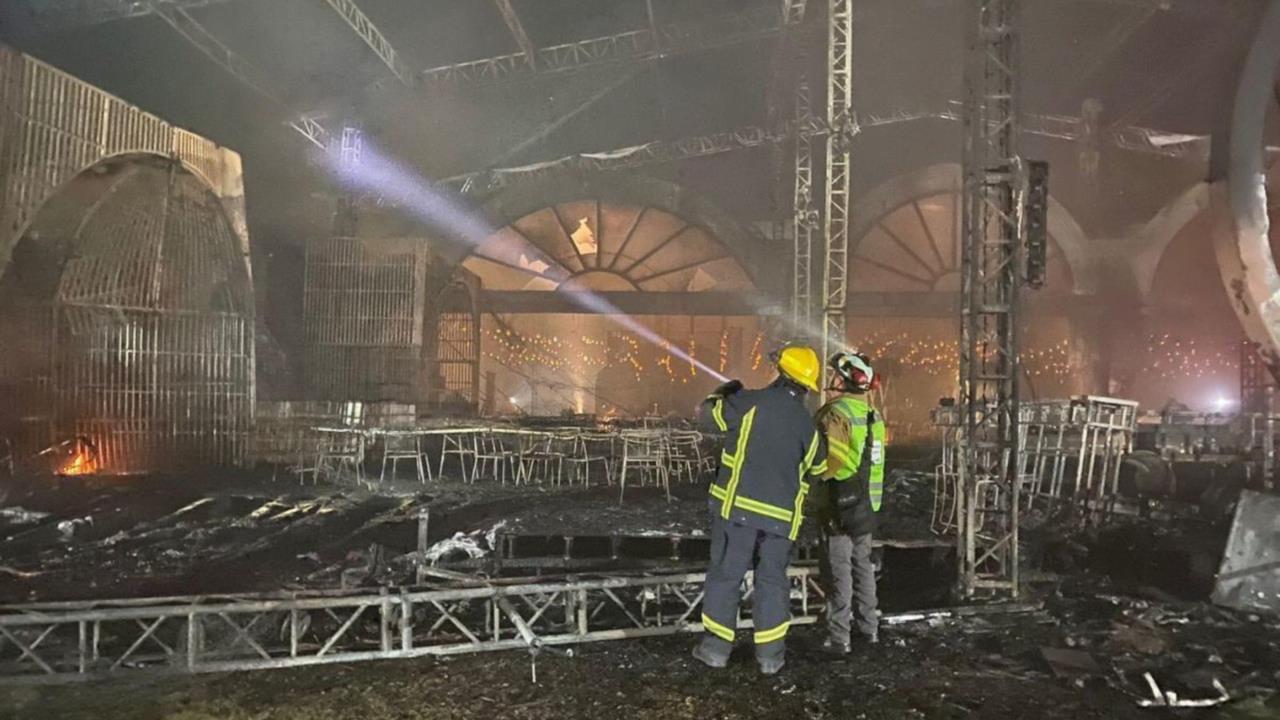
{"points": [[735, 549], [850, 579]]}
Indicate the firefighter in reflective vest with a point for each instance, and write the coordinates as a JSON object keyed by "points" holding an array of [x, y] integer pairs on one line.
{"points": [[771, 446], [848, 499]]}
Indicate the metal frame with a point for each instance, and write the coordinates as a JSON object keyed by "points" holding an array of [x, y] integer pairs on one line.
{"points": [[360, 319], [804, 215], [634, 46], [55, 642], [838, 190], [44, 143], [991, 280], [188, 27], [518, 33], [372, 37], [71, 13], [150, 329], [458, 343], [1060, 127]]}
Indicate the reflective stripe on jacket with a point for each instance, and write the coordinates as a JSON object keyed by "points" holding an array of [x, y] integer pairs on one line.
{"points": [[856, 441], [771, 444]]}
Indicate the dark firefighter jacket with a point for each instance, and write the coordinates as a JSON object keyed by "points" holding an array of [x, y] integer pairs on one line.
{"points": [[853, 489], [771, 445]]}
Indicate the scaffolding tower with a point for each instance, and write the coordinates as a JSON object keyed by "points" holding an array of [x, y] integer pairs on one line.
{"points": [[835, 266], [804, 216], [991, 280]]}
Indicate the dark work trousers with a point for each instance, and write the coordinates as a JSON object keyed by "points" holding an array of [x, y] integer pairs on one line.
{"points": [[850, 577], [735, 549]]}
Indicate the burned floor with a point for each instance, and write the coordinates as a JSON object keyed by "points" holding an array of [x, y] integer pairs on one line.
{"points": [[426, 359], [1112, 621]]}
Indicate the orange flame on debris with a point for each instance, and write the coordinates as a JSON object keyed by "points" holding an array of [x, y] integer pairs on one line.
{"points": [[82, 462]]}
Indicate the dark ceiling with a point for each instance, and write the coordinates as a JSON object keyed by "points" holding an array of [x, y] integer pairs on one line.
{"points": [[1158, 63]]}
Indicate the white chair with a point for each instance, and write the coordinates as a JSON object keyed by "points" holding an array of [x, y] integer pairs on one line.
{"points": [[587, 448], [491, 450], [541, 450], [341, 450], [460, 445], [686, 455], [397, 447], [645, 452]]}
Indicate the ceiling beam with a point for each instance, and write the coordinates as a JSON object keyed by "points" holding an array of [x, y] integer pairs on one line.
{"points": [[641, 45], [516, 27], [1058, 127], [57, 14], [188, 27], [377, 42], [242, 70], [550, 127]]}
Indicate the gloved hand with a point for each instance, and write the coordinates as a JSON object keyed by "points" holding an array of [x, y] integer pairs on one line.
{"points": [[728, 388]]}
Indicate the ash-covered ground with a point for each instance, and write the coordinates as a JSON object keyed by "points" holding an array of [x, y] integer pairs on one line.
{"points": [[1084, 656], [75, 539], [1118, 604]]}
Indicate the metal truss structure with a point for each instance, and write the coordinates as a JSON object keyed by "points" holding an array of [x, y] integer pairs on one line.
{"points": [[518, 33], [991, 281], [181, 21], [70, 13], [629, 47], [838, 188], [804, 215], [747, 137], [660, 151], [793, 11], [176, 15], [371, 36], [73, 640]]}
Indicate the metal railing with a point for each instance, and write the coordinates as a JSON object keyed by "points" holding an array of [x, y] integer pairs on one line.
{"points": [[1069, 451]]}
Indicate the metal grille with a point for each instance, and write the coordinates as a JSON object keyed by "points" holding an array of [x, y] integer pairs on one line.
{"points": [[362, 333], [153, 353], [991, 277], [458, 346], [52, 126]]}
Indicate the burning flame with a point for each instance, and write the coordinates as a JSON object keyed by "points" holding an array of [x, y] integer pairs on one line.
{"points": [[82, 463], [82, 460]]}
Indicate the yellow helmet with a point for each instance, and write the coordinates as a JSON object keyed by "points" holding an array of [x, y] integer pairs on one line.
{"points": [[800, 363]]}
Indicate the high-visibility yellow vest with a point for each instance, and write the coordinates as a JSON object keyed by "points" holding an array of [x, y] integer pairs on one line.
{"points": [[860, 454]]}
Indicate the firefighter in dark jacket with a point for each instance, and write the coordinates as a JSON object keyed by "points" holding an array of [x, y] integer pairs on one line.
{"points": [[848, 499], [771, 446]]}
